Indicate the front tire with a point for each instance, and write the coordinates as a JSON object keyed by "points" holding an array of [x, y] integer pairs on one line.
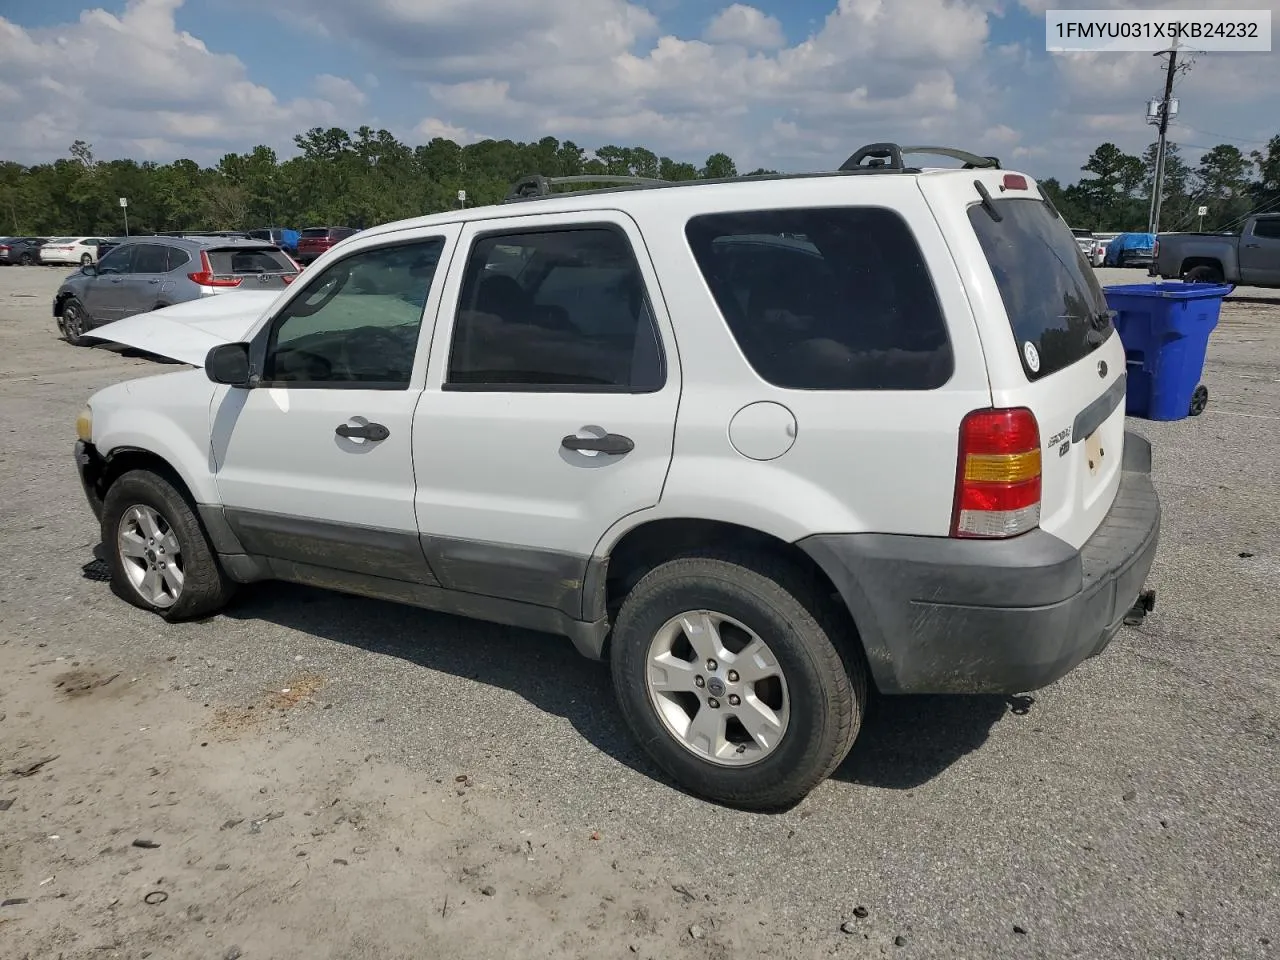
{"points": [[73, 323], [27, 260], [159, 557], [728, 671]]}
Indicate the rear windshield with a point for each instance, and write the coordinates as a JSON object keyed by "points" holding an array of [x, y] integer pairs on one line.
{"points": [[315, 233], [1055, 305], [249, 260]]}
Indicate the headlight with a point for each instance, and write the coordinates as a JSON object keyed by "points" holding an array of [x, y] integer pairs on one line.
{"points": [[84, 425]]}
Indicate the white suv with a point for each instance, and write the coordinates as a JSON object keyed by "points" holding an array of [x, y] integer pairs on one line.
{"points": [[757, 442]]}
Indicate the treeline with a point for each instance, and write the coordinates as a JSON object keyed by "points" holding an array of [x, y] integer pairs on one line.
{"points": [[366, 177], [1116, 196]]}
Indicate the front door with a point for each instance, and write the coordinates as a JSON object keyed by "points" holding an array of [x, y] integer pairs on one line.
{"points": [[1260, 253], [314, 464], [105, 294], [141, 290], [550, 404]]}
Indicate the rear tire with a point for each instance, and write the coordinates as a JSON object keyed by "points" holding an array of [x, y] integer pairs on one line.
{"points": [[1203, 274], [814, 695], [159, 557], [27, 260]]}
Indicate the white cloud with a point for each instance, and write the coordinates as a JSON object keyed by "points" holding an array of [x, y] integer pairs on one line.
{"points": [[162, 86], [747, 27], [432, 127]]}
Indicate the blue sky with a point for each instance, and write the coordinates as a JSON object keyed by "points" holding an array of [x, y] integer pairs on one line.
{"points": [[793, 84]]}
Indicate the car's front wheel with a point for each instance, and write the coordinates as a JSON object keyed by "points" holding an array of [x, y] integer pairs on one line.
{"points": [[73, 323], [27, 260], [728, 669], [159, 557]]}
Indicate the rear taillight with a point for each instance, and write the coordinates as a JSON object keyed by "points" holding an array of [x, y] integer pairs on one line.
{"points": [[206, 277], [289, 278], [1155, 249], [998, 475]]}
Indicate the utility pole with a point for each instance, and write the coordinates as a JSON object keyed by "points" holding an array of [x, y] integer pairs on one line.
{"points": [[1165, 109]]}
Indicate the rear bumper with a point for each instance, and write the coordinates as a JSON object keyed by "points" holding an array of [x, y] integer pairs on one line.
{"points": [[955, 616]]}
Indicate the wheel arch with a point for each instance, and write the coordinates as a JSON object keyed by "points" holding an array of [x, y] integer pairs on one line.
{"points": [[122, 460], [1190, 263], [649, 544]]}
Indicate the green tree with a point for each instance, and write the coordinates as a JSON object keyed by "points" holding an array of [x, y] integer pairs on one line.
{"points": [[1224, 183], [719, 166]]}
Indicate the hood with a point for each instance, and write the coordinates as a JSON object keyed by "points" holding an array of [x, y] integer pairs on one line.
{"points": [[187, 331]]}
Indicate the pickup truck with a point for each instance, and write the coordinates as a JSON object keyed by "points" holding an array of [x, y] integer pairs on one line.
{"points": [[1250, 259]]}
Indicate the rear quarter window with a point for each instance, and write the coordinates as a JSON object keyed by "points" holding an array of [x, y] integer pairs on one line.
{"points": [[831, 298]]}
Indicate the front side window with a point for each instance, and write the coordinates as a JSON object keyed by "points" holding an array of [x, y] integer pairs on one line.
{"points": [[357, 322], [831, 298], [118, 260], [557, 310]]}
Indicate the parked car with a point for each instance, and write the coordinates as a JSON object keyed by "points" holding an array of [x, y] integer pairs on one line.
{"points": [[71, 250], [759, 444], [151, 273], [1084, 240], [21, 250], [285, 239], [1252, 258], [1131, 250], [315, 241]]}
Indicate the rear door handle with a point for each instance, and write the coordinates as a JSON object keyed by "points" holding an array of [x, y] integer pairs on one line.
{"points": [[156, 280], [367, 431], [612, 443]]}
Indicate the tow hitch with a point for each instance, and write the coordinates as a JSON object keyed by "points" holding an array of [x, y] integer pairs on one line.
{"points": [[1145, 603]]}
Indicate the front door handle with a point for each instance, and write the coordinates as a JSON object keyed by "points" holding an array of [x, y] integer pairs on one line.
{"points": [[612, 443], [156, 280], [366, 431]]}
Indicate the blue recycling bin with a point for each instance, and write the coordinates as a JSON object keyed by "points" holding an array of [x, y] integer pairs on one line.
{"points": [[1165, 330]]}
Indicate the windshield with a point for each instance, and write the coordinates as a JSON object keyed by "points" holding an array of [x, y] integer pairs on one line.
{"points": [[1056, 307]]}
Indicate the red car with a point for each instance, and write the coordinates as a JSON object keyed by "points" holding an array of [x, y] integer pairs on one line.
{"points": [[316, 240]]}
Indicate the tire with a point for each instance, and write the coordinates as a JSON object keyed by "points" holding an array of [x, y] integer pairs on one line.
{"points": [[203, 588], [27, 260], [73, 323], [823, 694], [1203, 274], [1199, 400]]}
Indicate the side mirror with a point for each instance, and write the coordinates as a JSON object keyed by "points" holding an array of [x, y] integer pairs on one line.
{"points": [[228, 363], [89, 270]]}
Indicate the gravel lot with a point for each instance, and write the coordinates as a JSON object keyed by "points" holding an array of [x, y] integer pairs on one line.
{"points": [[452, 788]]}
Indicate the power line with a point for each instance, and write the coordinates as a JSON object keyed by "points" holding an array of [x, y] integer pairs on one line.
{"points": [[1226, 138]]}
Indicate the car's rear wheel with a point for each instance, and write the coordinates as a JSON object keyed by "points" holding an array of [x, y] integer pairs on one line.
{"points": [[159, 557], [73, 323], [27, 260], [1203, 274], [728, 669]]}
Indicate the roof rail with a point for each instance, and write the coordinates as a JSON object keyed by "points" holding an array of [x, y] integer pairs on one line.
{"points": [[888, 156], [534, 186]]}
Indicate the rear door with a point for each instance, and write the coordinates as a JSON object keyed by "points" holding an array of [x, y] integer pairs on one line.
{"points": [[550, 404], [1260, 253], [1047, 335]]}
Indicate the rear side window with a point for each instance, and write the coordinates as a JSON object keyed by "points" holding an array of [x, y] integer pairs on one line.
{"points": [[831, 298], [1268, 228], [150, 258], [1056, 307], [229, 262], [574, 318]]}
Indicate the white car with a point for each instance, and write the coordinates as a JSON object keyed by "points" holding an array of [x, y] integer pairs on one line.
{"points": [[759, 444], [81, 250]]}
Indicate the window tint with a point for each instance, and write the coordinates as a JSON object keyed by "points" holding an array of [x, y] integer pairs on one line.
{"points": [[150, 258], [826, 299], [573, 317], [118, 260], [1268, 228], [178, 257], [225, 262], [1050, 292], [316, 233], [358, 321]]}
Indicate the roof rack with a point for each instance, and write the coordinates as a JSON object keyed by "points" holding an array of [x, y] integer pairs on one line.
{"points": [[888, 157], [535, 185]]}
